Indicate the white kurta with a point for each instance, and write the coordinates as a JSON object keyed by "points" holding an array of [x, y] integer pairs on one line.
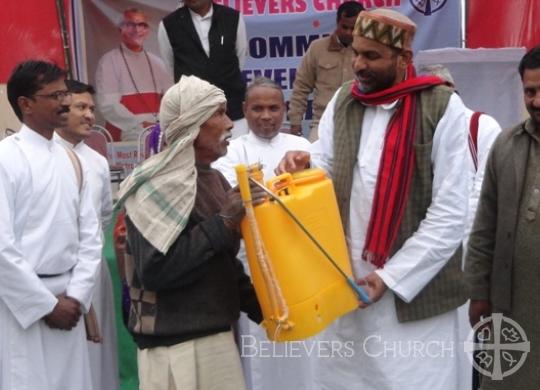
{"points": [[488, 130], [49, 228], [267, 365], [250, 149], [103, 356], [387, 354], [113, 83]]}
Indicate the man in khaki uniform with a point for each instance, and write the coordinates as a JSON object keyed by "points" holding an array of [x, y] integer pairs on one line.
{"points": [[326, 65]]}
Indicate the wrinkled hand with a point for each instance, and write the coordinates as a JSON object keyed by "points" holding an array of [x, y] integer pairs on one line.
{"points": [[65, 314], [374, 286], [479, 308], [296, 130], [233, 210], [293, 161]]}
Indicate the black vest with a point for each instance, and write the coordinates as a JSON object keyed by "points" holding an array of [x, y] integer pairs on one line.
{"points": [[221, 68]]}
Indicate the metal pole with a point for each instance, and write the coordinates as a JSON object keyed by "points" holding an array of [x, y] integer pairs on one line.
{"points": [[64, 34]]}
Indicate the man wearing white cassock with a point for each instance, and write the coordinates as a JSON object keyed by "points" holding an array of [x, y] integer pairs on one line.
{"points": [[50, 249], [103, 354]]}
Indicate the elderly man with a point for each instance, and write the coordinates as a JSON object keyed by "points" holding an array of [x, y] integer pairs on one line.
{"points": [[264, 109], [325, 66], [396, 148], [50, 249], [209, 41], [502, 260], [186, 285], [103, 354], [130, 81]]}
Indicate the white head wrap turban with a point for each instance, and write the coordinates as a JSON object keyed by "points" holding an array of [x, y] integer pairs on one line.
{"points": [[160, 193]]}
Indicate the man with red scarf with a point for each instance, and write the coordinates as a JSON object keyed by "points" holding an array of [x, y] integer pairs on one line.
{"points": [[395, 146]]}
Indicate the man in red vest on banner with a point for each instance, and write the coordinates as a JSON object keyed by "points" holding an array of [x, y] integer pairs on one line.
{"points": [[130, 81]]}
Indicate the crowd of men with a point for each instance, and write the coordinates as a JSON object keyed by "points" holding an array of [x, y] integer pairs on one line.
{"points": [[437, 203]]}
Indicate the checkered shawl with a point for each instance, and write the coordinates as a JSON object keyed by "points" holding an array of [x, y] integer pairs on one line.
{"points": [[160, 193]]}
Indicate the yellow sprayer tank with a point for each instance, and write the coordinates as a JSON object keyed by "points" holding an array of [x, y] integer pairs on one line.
{"points": [[313, 291]]}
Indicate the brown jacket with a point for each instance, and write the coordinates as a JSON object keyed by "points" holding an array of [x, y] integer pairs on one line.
{"points": [[491, 244], [326, 65]]}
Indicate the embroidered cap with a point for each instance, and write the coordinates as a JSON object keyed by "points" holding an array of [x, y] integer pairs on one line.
{"points": [[386, 26]]}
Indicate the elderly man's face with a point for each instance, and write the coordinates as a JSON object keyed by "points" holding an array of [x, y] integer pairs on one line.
{"points": [[213, 138], [376, 66], [531, 93], [264, 110], [134, 30]]}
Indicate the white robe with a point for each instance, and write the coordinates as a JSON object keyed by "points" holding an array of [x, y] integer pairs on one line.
{"points": [[103, 356], [250, 149], [48, 227], [266, 365], [386, 354], [113, 82]]}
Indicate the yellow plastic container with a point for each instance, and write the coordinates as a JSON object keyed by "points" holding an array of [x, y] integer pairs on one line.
{"points": [[315, 293]]}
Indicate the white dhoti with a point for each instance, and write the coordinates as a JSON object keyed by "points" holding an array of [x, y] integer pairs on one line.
{"points": [[206, 363], [40, 357]]}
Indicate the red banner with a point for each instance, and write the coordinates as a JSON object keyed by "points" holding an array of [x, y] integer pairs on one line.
{"points": [[30, 30], [503, 23]]}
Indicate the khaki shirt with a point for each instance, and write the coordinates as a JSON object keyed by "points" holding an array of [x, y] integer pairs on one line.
{"points": [[326, 65]]}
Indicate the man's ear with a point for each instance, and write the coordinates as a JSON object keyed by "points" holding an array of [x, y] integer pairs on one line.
{"points": [[244, 107], [25, 104]]}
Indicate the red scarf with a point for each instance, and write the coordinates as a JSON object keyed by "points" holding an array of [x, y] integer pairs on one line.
{"points": [[397, 163]]}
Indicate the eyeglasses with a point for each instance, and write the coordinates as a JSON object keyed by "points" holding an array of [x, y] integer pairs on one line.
{"points": [[58, 95], [142, 25]]}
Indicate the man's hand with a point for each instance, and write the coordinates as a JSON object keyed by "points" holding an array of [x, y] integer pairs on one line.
{"points": [[374, 286], [233, 210], [293, 161], [65, 314], [296, 130], [479, 308]]}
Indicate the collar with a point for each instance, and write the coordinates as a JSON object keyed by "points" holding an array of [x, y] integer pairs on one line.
{"points": [[253, 138], [128, 52], [529, 127], [34, 138], [335, 44], [196, 16], [58, 138]]}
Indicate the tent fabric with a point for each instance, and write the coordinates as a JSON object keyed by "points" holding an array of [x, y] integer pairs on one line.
{"points": [[502, 23], [486, 79]]}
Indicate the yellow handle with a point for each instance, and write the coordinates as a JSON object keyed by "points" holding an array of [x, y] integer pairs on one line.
{"points": [[243, 182]]}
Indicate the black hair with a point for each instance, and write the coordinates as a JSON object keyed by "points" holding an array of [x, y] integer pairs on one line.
{"points": [[531, 60], [349, 9], [29, 77], [75, 86]]}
